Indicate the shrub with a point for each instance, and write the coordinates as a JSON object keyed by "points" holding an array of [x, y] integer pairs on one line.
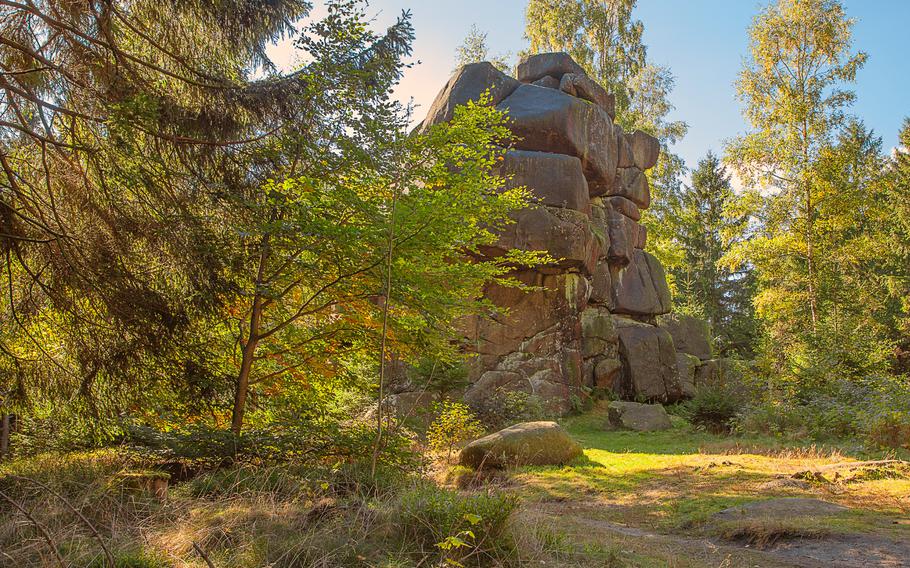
{"points": [[505, 407], [470, 530], [889, 429], [713, 408], [454, 425]]}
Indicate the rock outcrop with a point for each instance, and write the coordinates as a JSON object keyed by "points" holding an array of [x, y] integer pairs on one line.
{"points": [[589, 323]]}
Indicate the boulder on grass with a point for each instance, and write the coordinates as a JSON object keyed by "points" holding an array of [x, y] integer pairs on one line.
{"points": [[528, 443], [638, 417]]}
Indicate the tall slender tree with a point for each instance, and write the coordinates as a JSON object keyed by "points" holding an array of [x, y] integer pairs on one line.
{"points": [[793, 88], [474, 49]]}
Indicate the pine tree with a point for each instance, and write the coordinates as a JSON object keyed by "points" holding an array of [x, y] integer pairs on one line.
{"points": [[710, 225]]}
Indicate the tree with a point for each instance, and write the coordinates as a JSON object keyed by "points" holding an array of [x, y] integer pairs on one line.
{"points": [[710, 225], [793, 93], [474, 50], [134, 138], [375, 254]]}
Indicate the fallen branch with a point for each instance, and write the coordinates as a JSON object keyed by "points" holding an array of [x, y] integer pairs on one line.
{"points": [[857, 465], [201, 553]]}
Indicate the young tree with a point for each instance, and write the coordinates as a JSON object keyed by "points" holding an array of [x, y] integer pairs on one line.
{"points": [[794, 96], [375, 254], [474, 50]]}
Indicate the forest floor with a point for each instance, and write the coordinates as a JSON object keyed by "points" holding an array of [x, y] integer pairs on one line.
{"points": [[677, 499], [683, 498]]}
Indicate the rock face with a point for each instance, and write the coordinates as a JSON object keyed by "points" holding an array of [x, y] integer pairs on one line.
{"points": [[528, 443], [638, 417], [588, 324]]}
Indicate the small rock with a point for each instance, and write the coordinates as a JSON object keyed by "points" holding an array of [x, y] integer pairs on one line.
{"points": [[548, 81]]}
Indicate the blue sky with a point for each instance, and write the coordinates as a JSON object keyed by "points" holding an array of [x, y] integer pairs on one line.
{"points": [[702, 41]]}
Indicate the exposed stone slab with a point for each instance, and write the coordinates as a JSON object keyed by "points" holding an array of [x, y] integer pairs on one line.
{"points": [[632, 184], [556, 299], [548, 81], [602, 285], [563, 233], [645, 149], [624, 206], [649, 362], [690, 334], [536, 66], [468, 83], [607, 374], [597, 331], [687, 366], [547, 120], [640, 288], [583, 87], [624, 158], [553, 179]]}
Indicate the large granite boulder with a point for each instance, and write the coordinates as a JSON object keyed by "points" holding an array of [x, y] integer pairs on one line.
{"points": [[528, 443], [631, 184], [564, 234], [547, 120], [539, 65], [556, 180], [649, 362], [618, 232], [687, 367], [640, 288], [581, 86], [645, 149], [690, 334], [468, 83], [638, 417]]}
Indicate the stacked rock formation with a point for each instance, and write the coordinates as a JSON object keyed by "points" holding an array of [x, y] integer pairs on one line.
{"points": [[591, 322]]}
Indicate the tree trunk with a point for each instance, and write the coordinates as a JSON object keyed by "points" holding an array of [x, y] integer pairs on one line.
{"points": [[249, 349], [4, 436]]}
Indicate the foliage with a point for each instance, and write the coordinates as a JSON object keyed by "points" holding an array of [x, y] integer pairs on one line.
{"points": [[714, 407], [474, 50], [710, 223], [472, 530], [811, 176], [503, 408], [453, 426], [136, 135]]}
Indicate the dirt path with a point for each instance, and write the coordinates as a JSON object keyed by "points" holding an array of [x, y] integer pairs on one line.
{"points": [[837, 551]]}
